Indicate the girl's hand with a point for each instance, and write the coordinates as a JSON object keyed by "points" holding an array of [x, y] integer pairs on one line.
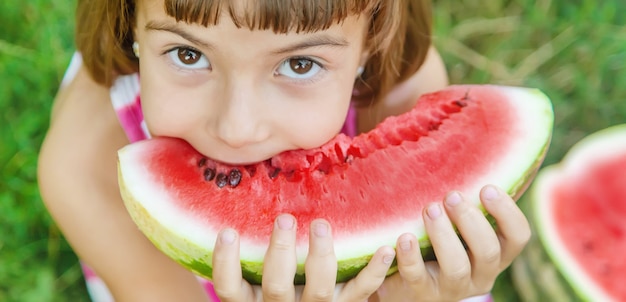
{"points": [[459, 273], [280, 267]]}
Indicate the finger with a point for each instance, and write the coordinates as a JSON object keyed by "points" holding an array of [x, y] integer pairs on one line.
{"points": [[321, 264], [512, 229], [410, 262], [370, 278], [452, 259], [279, 265], [227, 279], [480, 237]]}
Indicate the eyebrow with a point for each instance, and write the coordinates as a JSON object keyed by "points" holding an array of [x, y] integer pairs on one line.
{"points": [[314, 41], [163, 26]]}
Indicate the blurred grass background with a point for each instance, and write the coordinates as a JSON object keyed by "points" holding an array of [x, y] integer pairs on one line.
{"points": [[575, 51]]}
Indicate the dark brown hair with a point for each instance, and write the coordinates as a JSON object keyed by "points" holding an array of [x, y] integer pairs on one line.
{"points": [[399, 35]]}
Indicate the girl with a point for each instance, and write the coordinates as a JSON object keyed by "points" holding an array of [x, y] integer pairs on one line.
{"points": [[243, 81]]}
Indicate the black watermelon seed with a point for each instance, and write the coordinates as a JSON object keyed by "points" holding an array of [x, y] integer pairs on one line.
{"points": [[209, 174], [202, 162], [234, 177], [221, 180], [274, 173], [460, 103]]}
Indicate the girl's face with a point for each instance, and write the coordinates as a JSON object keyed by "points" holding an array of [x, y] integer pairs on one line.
{"points": [[239, 95]]}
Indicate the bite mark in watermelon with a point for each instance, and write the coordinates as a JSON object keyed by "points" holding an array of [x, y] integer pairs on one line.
{"points": [[578, 211], [371, 188]]}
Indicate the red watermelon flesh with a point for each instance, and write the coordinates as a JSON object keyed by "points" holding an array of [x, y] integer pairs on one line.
{"points": [[371, 188], [581, 208]]}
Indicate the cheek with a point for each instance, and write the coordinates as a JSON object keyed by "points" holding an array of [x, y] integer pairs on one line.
{"points": [[161, 116], [168, 110], [319, 122], [175, 103]]}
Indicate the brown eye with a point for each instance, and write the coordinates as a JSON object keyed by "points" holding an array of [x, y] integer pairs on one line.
{"points": [[301, 66], [188, 56]]}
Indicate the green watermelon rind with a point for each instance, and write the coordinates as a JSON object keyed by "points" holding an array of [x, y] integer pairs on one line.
{"points": [[534, 276], [194, 256], [607, 142], [536, 279]]}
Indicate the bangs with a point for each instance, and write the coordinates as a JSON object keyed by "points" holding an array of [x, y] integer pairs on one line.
{"points": [[280, 16]]}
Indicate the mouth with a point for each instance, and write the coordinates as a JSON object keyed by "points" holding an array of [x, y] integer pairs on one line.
{"points": [[239, 157]]}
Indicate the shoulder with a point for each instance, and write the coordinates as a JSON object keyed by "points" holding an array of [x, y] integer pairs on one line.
{"points": [[78, 183], [77, 161], [431, 76], [80, 146]]}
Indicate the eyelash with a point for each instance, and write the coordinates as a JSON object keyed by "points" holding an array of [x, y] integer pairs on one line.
{"points": [[174, 65], [306, 81]]}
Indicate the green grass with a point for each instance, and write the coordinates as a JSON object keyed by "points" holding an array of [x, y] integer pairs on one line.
{"points": [[36, 263], [575, 51]]}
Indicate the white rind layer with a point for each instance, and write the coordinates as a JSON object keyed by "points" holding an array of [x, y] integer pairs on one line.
{"points": [[533, 134], [599, 146], [153, 212], [532, 137]]}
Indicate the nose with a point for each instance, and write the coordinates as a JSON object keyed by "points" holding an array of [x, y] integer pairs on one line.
{"points": [[240, 121]]}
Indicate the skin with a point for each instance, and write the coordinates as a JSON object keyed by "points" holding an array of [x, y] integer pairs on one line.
{"points": [[248, 105], [243, 102]]}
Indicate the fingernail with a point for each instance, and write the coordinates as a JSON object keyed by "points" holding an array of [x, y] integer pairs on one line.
{"points": [[490, 193], [453, 199], [405, 245], [285, 222], [228, 236], [434, 211], [320, 229], [387, 259]]}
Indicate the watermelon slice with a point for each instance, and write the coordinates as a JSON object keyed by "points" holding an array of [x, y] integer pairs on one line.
{"points": [[371, 188], [578, 213]]}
